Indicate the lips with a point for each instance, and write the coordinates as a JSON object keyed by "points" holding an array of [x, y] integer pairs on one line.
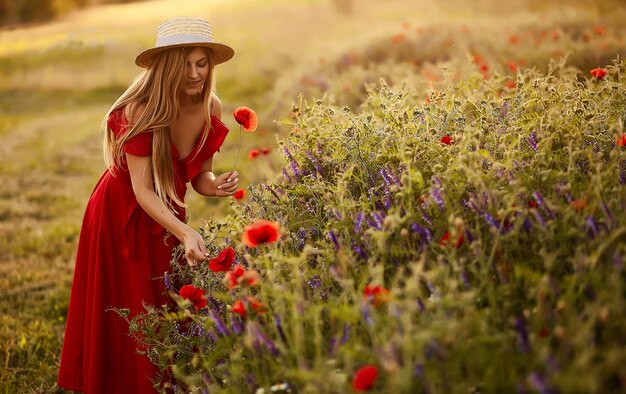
{"points": [[193, 84]]}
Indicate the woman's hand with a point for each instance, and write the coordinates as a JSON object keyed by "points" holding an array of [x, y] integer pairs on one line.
{"points": [[195, 251], [226, 184]]}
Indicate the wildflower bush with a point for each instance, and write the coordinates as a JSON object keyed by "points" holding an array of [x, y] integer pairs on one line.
{"points": [[473, 242]]}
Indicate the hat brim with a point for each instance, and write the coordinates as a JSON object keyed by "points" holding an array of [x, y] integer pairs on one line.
{"points": [[220, 53]]}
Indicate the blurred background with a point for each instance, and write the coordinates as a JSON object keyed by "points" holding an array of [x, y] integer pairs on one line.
{"points": [[64, 62]]}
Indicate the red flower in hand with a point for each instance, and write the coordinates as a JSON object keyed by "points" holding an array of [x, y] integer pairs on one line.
{"points": [[239, 194], [446, 140], [365, 378], [260, 232], [193, 294], [247, 118], [598, 73], [255, 305], [223, 261], [377, 294]]}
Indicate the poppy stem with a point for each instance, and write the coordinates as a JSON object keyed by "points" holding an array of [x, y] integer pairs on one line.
{"points": [[238, 150]]}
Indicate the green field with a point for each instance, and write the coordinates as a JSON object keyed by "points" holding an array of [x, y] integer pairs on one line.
{"points": [[57, 81]]}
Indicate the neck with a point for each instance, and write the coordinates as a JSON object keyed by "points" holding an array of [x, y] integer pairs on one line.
{"points": [[190, 102]]}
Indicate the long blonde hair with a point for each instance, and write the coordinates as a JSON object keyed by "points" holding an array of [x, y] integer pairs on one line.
{"points": [[157, 87]]}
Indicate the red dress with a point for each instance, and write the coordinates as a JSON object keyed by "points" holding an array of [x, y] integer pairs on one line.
{"points": [[122, 255]]}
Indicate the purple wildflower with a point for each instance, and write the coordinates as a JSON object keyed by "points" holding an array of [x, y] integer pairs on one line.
{"points": [[264, 339], [279, 327], [421, 305], [492, 222], [314, 282], [527, 224], [465, 279], [236, 324], [286, 175], [296, 171], [333, 238], [168, 282], [394, 178], [219, 323], [359, 251], [437, 182], [337, 214], [418, 371], [366, 315], [539, 218], [315, 162], [378, 220], [435, 193], [288, 154], [532, 141], [592, 227], [332, 346], [427, 218], [469, 236], [540, 201], [383, 172], [538, 383], [301, 234], [523, 341], [345, 335], [358, 222]]}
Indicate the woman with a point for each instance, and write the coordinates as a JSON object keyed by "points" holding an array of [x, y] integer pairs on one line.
{"points": [[160, 134]]}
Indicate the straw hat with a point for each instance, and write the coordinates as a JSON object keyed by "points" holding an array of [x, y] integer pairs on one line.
{"points": [[183, 32]]}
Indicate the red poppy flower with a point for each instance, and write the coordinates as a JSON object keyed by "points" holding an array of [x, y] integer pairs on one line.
{"points": [[239, 306], [377, 294], [514, 39], [239, 275], [260, 232], [398, 38], [446, 140], [510, 84], [239, 194], [578, 205], [446, 237], [247, 118], [620, 140], [266, 151], [223, 261], [600, 30], [512, 65], [532, 204], [253, 153], [193, 294], [598, 73], [365, 378]]}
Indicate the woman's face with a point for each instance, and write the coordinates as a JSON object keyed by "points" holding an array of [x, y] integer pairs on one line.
{"points": [[196, 72]]}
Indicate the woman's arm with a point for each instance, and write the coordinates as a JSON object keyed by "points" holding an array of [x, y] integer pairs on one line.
{"points": [[206, 183], [143, 187]]}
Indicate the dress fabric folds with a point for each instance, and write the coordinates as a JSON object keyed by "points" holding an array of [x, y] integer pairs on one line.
{"points": [[121, 258]]}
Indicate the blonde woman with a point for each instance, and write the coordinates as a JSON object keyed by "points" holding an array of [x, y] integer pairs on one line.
{"points": [[160, 134]]}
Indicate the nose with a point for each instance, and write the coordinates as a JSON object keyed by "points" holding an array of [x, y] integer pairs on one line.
{"points": [[192, 72]]}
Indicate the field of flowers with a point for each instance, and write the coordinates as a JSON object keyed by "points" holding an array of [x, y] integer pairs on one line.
{"points": [[432, 205], [472, 242]]}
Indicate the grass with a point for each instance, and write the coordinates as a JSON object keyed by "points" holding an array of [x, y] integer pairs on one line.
{"points": [[57, 80]]}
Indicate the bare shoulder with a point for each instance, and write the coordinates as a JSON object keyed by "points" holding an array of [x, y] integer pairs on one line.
{"points": [[216, 106], [133, 111]]}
